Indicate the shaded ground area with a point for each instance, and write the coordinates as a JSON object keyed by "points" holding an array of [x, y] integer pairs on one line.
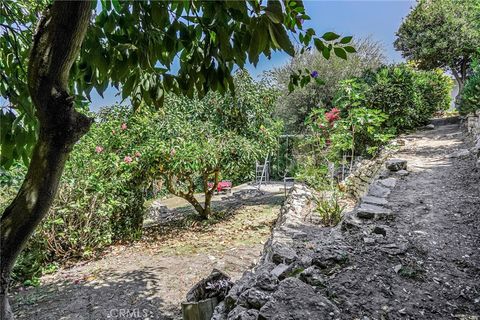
{"points": [[148, 280], [425, 261]]}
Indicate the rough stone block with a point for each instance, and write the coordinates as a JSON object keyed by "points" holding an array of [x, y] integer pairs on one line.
{"points": [[370, 211], [389, 182], [378, 190], [396, 164], [375, 200], [297, 300]]}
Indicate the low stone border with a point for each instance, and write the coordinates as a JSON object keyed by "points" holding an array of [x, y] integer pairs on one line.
{"points": [[365, 171]]}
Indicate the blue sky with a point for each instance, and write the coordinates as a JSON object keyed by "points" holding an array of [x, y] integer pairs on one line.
{"points": [[377, 19]]}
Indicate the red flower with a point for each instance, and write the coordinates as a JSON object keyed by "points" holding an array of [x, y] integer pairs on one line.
{"points": [[332, 115]]}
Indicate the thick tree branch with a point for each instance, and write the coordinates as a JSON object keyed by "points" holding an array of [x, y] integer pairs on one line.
{"points": [[56, 45]]}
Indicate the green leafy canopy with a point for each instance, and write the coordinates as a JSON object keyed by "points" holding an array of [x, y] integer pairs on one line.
{"points": [[135, 45]]}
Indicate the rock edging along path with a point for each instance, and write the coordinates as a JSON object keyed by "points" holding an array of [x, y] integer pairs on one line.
{"points": [[416, 257]]}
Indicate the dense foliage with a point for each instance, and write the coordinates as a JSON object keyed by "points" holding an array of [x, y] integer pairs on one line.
{"points": [[369, 111], [409, 97], [441, 34], [294, 107], [132, 45], [201, 141], [103, 189], [100, 198], [470, 95]]}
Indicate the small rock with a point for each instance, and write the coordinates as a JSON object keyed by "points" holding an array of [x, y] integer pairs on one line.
{"points": [[240, 313], [329, 258], [370, 211], [375, 200], [280, 270], [403, 173], [401, 142], [397, 268], [313, 277], [253, 298], [430, 126], [462, 153], [266, 281], [220, 312], [283, 254], [380, 230], [350, 223], [377, 190], [389, 182], [396, 164], [368, 240]]}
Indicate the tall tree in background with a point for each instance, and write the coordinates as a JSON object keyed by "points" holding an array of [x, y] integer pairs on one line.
{"points": [[441, 34], [132, 46], [293, 108]]}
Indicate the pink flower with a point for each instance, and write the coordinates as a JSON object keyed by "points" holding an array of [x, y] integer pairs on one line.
{"points": [[123, 126], [172, 152], [127, 159], [98, 149], [332, 115], [137, 154]]}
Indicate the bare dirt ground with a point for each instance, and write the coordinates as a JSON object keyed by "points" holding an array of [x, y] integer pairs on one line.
{"points": [[426, 265], [149, 279]]}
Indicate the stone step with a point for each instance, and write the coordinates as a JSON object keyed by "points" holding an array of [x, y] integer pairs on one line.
{"points": [[388, 182], [377, 190], [370, 211], [375, 200]]}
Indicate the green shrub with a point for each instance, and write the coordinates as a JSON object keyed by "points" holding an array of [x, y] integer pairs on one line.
{"points": [[470, 95], [408, 97], [330, 210], [100, 198]]}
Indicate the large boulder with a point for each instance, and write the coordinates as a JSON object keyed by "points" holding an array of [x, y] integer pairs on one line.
{"points": [[396, 164], [295, 299]]}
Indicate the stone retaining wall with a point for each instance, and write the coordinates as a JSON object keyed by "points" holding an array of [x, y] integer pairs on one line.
{"points": [[365, 171], [473, 127], [283, 284]]}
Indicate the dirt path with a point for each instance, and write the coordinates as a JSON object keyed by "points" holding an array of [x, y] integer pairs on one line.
{"points": [[148, 280], [426, 265]]}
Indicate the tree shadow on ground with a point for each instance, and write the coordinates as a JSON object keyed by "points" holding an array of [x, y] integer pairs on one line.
{"points": [[131, 295], [223, 210]]}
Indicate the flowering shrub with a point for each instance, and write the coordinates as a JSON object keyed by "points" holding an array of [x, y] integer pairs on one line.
{"points": [[102, 191]]}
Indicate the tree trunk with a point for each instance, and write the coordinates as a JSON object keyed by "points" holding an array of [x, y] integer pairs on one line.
{"points": [[189, 196], [56, 45], [202, 212], [209, 193]]}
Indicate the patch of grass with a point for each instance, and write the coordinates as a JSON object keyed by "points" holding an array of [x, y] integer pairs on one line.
{"points": [[330, 210], [244, 226]]}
